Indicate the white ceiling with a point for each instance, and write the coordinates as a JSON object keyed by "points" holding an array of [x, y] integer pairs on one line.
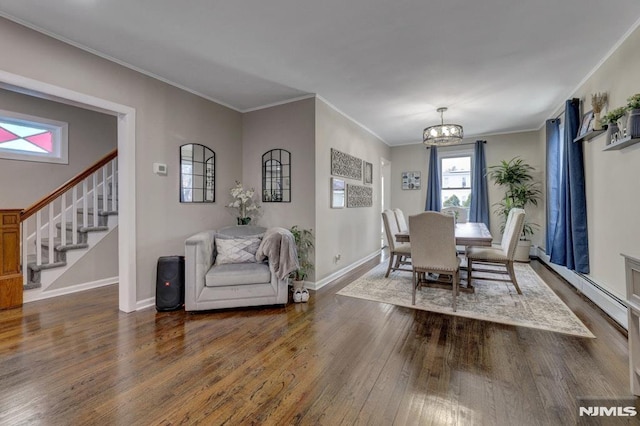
{"points": [[499, 65]]}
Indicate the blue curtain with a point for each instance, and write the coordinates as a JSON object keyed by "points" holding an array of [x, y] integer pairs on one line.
{"points": [[433, 184], [570, 245], [479, 208], [553, 180]]}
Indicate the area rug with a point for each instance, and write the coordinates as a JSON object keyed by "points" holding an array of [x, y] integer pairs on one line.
{"points": [[538, 306]]}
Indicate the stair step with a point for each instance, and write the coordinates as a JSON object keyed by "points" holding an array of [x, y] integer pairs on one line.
{"points": [[31, 263], [69, 227], [101, 212], [57, 244], [31, 286]]}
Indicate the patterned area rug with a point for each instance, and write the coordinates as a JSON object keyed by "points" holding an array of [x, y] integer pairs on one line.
{"points": [[537, 307]]}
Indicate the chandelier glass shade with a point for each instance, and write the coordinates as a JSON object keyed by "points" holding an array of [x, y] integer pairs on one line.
{"points": [[442, 134]]}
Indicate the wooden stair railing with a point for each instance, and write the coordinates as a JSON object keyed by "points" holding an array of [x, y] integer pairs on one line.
{"points": [[12, 278]]}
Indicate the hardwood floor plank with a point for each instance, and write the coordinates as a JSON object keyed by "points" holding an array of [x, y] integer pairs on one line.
{"points": [[335, 360]]}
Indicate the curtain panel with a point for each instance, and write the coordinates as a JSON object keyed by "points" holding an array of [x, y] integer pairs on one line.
{"points": [[433, 184], [479, 208], [570, 245]]}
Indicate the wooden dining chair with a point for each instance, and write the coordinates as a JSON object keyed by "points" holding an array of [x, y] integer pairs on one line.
{"points": [[502, 255], [433, 249], [402, 222], [398, 252]]}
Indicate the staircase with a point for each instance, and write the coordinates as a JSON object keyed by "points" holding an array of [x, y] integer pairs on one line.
{"points": [[60, 229]]}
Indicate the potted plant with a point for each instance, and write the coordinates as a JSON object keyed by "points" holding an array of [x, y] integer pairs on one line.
{"points": [[633, 125], [244, 202], [598, 100], [611, 120], [521, 191], [304, 245]]}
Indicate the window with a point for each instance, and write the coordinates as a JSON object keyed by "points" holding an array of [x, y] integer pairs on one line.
{"points": [[455, 178], [29, 138]]}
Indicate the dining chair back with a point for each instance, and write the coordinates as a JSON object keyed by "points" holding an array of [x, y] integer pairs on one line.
{"points": [[399, 253], [402, 222], [461, 214], [433, 249], [502, 255]]}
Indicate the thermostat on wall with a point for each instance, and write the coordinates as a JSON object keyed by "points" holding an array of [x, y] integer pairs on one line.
{"points": [[160, 169]]}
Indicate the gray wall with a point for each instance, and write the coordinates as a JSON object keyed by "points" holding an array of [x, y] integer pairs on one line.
{"points": [[352, 232], [612, 177], [166, 117], [91, 136], [498, 147], [292, 127]]}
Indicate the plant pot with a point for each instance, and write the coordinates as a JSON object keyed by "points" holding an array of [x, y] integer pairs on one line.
{"points": [[612, 133], [597, 125], [522, 251], [633, 123], [298, 285]]}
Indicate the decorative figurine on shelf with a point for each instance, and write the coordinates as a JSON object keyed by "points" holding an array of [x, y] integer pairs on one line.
{"points": [[598, 101], [611, 119], [244, 202], [633, 124]]}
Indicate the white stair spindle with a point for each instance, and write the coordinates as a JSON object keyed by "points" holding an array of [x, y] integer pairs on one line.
{"points": [[63, 220], [105, 199], [95, 199], [38, 238], [51, 235], [85, 203], [74, 215]]}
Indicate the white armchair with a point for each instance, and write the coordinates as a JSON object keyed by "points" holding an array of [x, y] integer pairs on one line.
{"points": [[211, 286]]}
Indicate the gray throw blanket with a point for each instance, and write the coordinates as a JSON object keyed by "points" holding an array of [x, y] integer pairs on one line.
{"points": [[279, 246]]}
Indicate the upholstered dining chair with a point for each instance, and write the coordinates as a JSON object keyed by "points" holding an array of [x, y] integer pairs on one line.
{"points": [[461, 214], [402, 222], [502, 255], [398, 252], [433, 249]]}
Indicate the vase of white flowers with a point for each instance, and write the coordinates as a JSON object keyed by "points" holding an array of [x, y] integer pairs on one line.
{"points": [[244, 203]]}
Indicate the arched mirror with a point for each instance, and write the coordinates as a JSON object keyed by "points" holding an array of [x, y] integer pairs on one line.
{"points": [[197, 174], [276, 176]]}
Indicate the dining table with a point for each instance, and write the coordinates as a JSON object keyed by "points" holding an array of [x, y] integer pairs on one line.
{"points": [[467, 234]]}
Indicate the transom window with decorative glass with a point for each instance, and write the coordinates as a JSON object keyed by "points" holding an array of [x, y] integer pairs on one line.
{"points": [[29, 138], [455, 180]]}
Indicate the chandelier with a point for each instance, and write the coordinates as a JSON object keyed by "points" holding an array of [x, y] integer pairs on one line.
{"points": [[442, 134]]}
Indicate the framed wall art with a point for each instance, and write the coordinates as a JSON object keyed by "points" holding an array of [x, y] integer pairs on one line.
{"points": [[345, 165], [338, 191], [368, 173], [411, 180], [359, 196]]}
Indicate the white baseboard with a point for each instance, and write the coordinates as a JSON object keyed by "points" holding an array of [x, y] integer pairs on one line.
{"points": [[326, 280], [145, 303], [39, 294], [612, 305]]}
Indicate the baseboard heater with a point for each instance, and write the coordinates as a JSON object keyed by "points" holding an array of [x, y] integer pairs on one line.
{"points": [[611, 304]]}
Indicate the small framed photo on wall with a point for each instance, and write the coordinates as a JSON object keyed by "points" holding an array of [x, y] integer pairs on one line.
{"points": [[587, 119], [368, 173], [411, 180], [337, 193]]}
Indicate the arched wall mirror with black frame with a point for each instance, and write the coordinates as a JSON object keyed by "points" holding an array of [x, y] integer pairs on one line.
{"points": [[197, 174], [276, 176]]}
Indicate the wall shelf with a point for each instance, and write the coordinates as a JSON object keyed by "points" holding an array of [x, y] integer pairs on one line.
{"points": [[622, 143], [589, 135]]}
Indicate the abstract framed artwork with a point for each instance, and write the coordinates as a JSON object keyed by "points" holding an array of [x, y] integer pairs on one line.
{"points": [[411, 180]]}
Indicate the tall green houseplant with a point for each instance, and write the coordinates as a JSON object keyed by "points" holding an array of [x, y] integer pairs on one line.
{"points": [[521, 191], [304, 244]]}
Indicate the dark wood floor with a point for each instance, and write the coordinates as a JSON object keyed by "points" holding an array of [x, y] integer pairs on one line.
{"points": [[337, 360]]}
